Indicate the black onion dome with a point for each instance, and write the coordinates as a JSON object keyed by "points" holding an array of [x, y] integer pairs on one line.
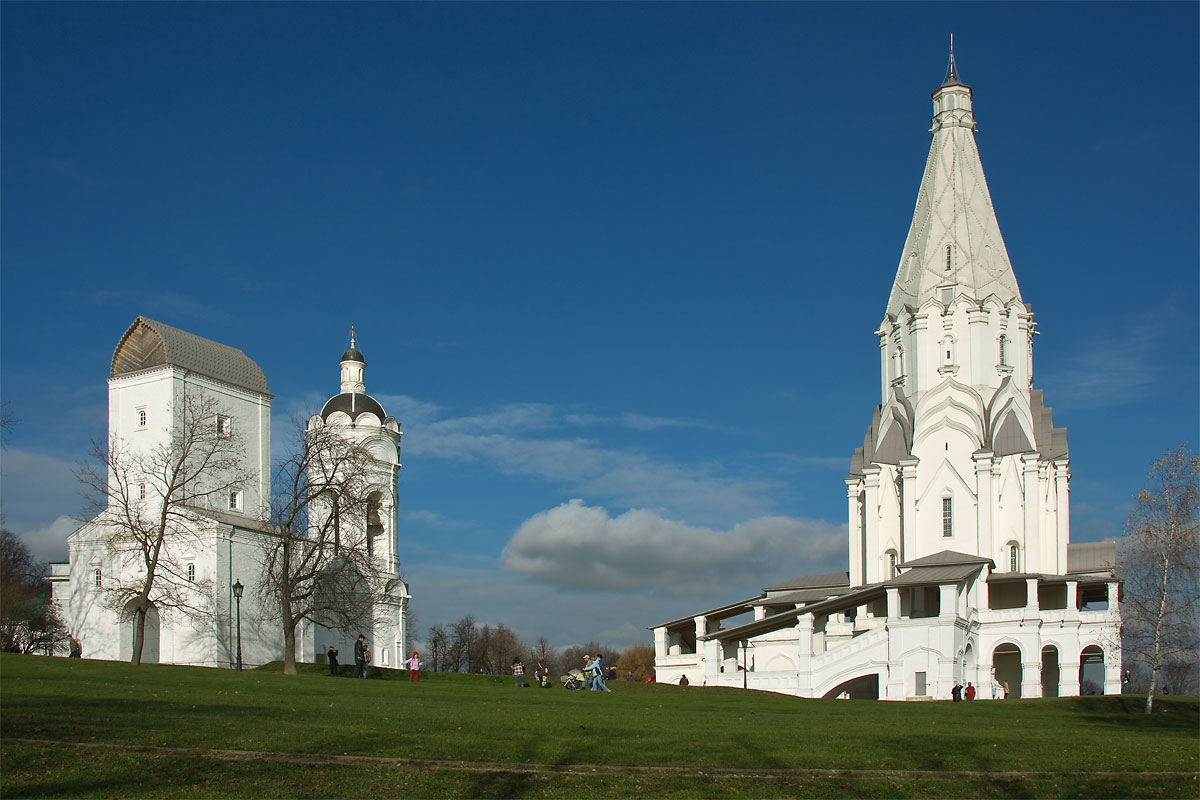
{"points": [[353, 404], [353, 355]]}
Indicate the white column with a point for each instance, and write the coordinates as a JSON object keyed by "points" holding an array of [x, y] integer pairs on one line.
{"points": [[712, 661], [1030, 552], [893, 603], [660, 643], [985, 509], [948, 600], [804, 651], [1063, 487], [908, 513], [871, 512], [854, 532], [1031, 678]]}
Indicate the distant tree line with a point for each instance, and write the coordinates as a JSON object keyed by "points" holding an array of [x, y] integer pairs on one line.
{"points": [[467, 646]]}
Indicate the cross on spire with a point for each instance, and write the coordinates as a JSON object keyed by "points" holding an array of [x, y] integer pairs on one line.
{"points": [[951, 68]]}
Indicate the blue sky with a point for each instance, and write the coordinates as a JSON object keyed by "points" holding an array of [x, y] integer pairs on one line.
{"points": [[616, 268]]}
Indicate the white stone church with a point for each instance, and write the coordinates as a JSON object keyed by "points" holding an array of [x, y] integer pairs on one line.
{"points": [[155, 369], [960, 563]]}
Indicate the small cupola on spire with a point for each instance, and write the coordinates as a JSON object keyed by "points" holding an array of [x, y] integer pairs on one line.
{"points": [[354, 367], [952, 100]]}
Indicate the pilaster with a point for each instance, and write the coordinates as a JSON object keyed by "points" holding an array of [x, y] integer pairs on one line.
{"points": [[871, 518], [908, 512], [985, 510]]}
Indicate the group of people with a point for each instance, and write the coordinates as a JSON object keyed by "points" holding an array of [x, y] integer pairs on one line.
{"points": [[958, 693], [362, 658]]}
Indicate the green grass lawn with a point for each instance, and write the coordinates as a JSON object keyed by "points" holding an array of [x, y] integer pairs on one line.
{"points": [[95, 728]]}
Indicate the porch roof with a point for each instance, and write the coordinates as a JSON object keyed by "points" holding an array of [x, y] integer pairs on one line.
{"points": [[720, 612]]}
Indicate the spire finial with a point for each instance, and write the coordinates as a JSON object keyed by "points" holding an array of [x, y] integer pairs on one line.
{"points": [[951, 72], [352, 345]]}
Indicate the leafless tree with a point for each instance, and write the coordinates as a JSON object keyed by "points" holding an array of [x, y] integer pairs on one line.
{"points": [[1160, 564], [438, 641], [148, 503], [317, 567], [463, 653], [29, 620]]}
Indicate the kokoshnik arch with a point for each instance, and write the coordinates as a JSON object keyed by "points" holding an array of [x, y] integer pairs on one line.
{"points": [[960, 562]]}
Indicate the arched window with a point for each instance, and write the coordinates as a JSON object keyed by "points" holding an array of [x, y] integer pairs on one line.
{"points": [[1014, 558], [191, 573], [947, 351], [947, 517], [949, 251], [141, 417], [1003, 350], [97, 578], [141, 491]]}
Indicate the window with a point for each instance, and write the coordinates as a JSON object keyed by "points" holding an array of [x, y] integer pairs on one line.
{"points": [[224, 425], [1003, 348], [141, 417], [141, 491], [948, 252], [235, 500], [1014, 558], [947, 517], [97, 578], [891, 563], [191, 573]]}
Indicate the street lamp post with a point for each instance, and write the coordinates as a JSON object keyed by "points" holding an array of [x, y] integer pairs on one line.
{"points": [[237, 594]]}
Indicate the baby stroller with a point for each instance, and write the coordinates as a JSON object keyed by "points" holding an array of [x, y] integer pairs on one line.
{"points": [[573, 679]]}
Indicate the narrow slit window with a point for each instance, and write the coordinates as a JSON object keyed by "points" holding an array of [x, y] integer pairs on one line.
{"points": [[1014, 558], [1003, 348], [949, 250], [891, 563], [947, 517]]}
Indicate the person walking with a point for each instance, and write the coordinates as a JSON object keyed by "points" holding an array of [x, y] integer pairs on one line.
{"points": [[518, 671], [332, 654], [414, 668], [361, 653], [598, 683], [587, 671]]}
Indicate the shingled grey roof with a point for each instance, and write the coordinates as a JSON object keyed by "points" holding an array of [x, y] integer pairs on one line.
{"points": [[833, 580], [149, 344]]}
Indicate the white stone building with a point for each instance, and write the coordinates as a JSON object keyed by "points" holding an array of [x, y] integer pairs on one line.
{"points": [[360, 418], [960, 563], [156, 371]]}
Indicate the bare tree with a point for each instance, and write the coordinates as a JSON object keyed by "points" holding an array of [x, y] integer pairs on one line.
{"points": [[1160, 564], [29, 620], [147, 503], [463, 653], [438, 641], [318, 567]]}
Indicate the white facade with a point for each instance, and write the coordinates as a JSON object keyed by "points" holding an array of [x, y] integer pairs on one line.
{"points": [[960, 568], [360, 418], [156, 370]]}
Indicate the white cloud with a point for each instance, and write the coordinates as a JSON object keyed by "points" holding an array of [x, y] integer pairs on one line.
{"points": [[581, 547], [49, 542], [39, 495]]}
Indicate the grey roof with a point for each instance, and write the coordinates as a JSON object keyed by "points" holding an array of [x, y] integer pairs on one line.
{"points": [[1044, 577], [946, 557], [353, 403], [857, 597], [801, 596], [824, 580], [727, 610], [944, 573], [147, 344], [353, 355], [1091, 556]]}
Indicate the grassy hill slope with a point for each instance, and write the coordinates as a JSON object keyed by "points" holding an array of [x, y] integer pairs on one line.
{"points": [[95, 728]]}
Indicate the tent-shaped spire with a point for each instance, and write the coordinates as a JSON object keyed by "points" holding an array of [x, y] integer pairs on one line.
{"points": [[954, 243]]}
